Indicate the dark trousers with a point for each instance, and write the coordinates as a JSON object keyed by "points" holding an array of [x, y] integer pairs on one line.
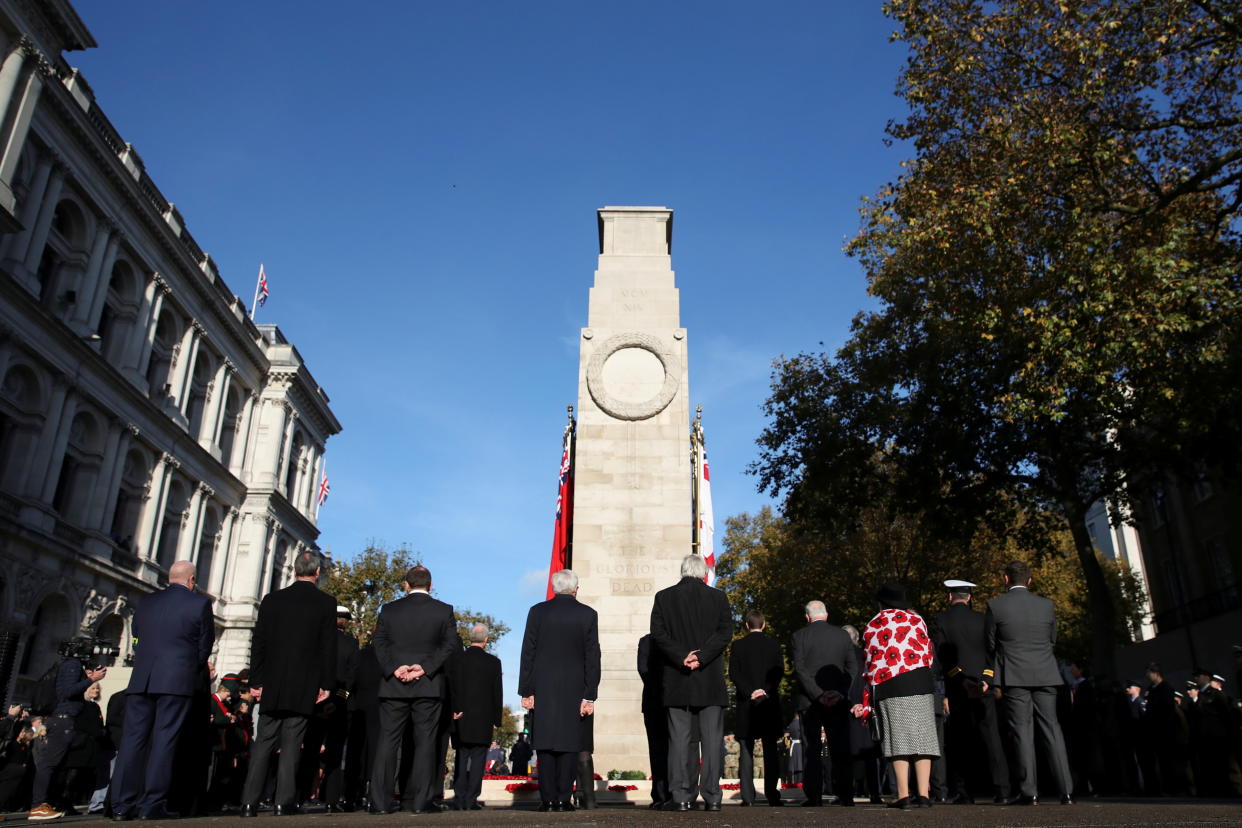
{"points": [[325, 745], [972, 739], [656, 724], [417, 789], [286, 731], [1026, 707], [360, 751], [144, 763], [468, 781], [59, 736], [680, 762], [556, 774], [771, 769], [833, 720]]}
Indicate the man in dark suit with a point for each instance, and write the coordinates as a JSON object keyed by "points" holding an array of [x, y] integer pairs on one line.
{"points": [[756, 668], [825, 662], [655, 719], [363, 727], [325, 734], [559, 679], [174, 632], [691, 625], [413, 642], [475, 688], [292, 668], [1021, 629], [971, 729]]}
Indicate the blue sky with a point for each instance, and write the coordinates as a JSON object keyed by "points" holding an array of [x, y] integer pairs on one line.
{"points": [[420, 181]]}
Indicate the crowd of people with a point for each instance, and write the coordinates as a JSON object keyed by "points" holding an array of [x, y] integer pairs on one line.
{"points": [[947, 711]]}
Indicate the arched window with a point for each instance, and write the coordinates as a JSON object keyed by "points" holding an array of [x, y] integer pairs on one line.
{"points": [[120, 312], [21, 418], [167, 334], [278, 565], [230, 424], [200, 383], [297, 456]]}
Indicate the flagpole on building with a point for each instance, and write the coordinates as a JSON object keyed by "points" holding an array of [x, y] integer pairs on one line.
{"points": [[323, 475], [254, 303], [696, 458], [571, 438]]}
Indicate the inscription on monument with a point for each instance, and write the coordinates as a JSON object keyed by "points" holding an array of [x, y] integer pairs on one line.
{"points": [[632, 586]]}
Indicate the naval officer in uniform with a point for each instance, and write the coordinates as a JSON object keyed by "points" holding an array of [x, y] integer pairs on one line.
{"points": [[971, 734]]}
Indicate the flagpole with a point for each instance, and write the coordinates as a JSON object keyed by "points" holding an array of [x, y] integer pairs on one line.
{"points": [[254, 303], [571, 438], [696, 460], [323, 475]]}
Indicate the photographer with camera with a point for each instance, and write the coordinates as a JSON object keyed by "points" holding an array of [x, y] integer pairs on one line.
{"points": [[82, 666]]}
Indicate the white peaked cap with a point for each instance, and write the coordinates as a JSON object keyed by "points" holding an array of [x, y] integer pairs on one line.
{"points": [[954, 583]]}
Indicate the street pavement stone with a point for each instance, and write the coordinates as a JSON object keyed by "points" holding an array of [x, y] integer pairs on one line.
{"points": [[1162, 812]]}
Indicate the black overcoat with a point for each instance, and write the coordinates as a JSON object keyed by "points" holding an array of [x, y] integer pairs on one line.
{"points": [[687, 616], [961, 644], [475, 688], [293, 653], [824, 658], [755, 664], [416, 629], [560, 668]]}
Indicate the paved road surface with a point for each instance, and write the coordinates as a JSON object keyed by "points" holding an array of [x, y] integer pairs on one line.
{"points": [[1187, 813]]}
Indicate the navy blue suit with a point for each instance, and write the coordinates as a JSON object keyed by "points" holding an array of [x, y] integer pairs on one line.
{"points": [[173, 631]]}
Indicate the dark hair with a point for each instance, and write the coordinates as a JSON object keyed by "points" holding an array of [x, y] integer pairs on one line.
{"points": [[754, 620], [418, 577], [1018, 573], [307, 564], [1153, 667]]}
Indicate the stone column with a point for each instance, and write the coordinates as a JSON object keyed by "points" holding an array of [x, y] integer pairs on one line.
{"points": [[10, 71], [187, 548], [109, 480], [183, 377], [153, 516], [80, 316], [209, 433], [147, 341], [15, 246], [632, 498], [16, 139], [286, 446], [245, 452], [103, 279], [58, 449], [223, 561], [43, 223], [312, 490], [38, 471]]}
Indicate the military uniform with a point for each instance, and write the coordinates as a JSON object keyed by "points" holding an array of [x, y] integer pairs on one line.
{"points": [[972, 735]]}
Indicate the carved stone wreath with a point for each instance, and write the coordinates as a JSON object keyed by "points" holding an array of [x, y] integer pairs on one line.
{"points": [[632, 410]]}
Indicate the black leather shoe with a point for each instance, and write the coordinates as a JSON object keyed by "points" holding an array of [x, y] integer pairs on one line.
{"points": [[744, 804], [846, 802], [902, 804], [380, 811], [679, 806], [777, 803], [125, 817], [286, 810], [158, 814], [1000, 799], [1023, 800], [544, 807], [711, 806], [810, 803], [249, 811], [476, 806], [1066, 800], [568, 806], [962, 799], [921, 802]]}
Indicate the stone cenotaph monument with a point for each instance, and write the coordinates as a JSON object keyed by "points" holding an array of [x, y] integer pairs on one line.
{"points": [[632, 479]]}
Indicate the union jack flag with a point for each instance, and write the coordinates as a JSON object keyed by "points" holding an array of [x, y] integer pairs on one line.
{"points": [[262, 287], [324, 489]]}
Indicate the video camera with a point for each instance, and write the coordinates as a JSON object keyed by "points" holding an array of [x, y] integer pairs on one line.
{"points": [[92, 652]]}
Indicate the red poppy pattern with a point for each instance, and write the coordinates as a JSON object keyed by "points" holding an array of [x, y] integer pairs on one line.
{"points": [[896, 642]]}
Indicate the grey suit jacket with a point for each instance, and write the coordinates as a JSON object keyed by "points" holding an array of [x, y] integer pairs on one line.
{"points": [[824, 658], [1021, 629]]}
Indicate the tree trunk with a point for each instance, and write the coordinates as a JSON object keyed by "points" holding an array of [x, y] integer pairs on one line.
{"points": [[1099, 600]]}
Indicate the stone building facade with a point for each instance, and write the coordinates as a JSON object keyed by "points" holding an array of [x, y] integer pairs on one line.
{"points": [[144, 418]]}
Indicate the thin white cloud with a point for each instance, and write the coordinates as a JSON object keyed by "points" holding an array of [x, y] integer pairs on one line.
{"points": [[533, 581]]}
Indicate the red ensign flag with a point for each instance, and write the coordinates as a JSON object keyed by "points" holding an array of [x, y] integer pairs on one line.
{"points": [[564, 516]]}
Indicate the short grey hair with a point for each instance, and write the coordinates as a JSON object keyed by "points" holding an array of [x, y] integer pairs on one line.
{"points": [[816, 610], [693, 566], [307, 564], [478, 634], [852, 631], [564, 582]]}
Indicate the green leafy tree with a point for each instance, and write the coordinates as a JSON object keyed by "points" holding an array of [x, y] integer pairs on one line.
{"points": [[374, 577], [1057, 271]]}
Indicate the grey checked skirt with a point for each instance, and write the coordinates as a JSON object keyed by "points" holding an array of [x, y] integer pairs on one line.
{"points": [[907, 726]]}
